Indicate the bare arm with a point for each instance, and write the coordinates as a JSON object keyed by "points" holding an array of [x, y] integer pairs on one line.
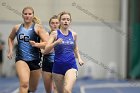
{"points": [[44, 35], [52, 43], [38, 45], [76, 51], [11, 41]]}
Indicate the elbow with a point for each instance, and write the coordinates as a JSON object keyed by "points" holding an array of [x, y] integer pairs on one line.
{"points": [[46, 50]]}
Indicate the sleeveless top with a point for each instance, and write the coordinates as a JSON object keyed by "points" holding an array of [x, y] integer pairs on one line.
{"points": [[50, 56], [64, 52], [25, 51]]}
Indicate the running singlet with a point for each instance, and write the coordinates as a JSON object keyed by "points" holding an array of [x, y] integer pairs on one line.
{"points": [[49, 57], [25, 51], [64, 52]]}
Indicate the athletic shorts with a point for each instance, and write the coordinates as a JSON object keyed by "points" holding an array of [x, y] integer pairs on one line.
{"points": [[47, 63], [33, 65], [1, 56], [63, 67]]}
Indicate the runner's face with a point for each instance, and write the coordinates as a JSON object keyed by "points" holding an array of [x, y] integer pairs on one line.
{"points": [[27, 15], [54, 24], [65, 21]]}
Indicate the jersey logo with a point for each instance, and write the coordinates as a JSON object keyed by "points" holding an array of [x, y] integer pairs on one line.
{"points": [[24, 38]]}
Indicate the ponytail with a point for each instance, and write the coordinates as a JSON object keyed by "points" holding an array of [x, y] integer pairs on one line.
{"points": [[36, 20]]}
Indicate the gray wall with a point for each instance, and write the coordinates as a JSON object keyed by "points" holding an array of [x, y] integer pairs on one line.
{"points": [[98, 23]]}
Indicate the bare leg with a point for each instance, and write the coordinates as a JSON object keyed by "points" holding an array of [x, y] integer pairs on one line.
{"points": [[54, 87], [34, 79], [47, 77], [23, 72], [58, 80], [69, 80]]}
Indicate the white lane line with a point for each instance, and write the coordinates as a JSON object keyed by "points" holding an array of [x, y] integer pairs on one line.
{"points": [[16, 91], [107, 85]]}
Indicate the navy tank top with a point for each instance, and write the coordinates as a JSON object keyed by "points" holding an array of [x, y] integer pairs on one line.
{"points": [[50, 56], [25, 51]]}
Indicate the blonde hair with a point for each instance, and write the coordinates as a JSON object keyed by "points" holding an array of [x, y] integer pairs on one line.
{"points": [[36, 20], [28, 7]]}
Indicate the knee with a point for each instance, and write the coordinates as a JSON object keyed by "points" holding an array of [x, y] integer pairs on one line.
{"points": [[24, 85], [67, 90]]}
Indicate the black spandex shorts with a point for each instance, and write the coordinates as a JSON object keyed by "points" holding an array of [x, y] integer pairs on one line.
{"points": [[47, 65], [33, 65]]}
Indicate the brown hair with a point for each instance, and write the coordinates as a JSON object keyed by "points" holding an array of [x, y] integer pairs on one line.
{"points": [[53, 17], [62, 13]]}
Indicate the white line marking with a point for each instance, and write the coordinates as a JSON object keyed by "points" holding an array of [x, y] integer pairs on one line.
{"points": [[107, 85], [16, 91]]}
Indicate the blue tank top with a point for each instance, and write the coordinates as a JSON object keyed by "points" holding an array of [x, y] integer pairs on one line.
{"points": [[24, 49], [50, 56], [64, 52]]}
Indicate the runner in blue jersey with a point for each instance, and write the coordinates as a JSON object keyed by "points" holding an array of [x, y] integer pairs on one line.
{"points": [[48, 59], [65, 46], [27, 56]]}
